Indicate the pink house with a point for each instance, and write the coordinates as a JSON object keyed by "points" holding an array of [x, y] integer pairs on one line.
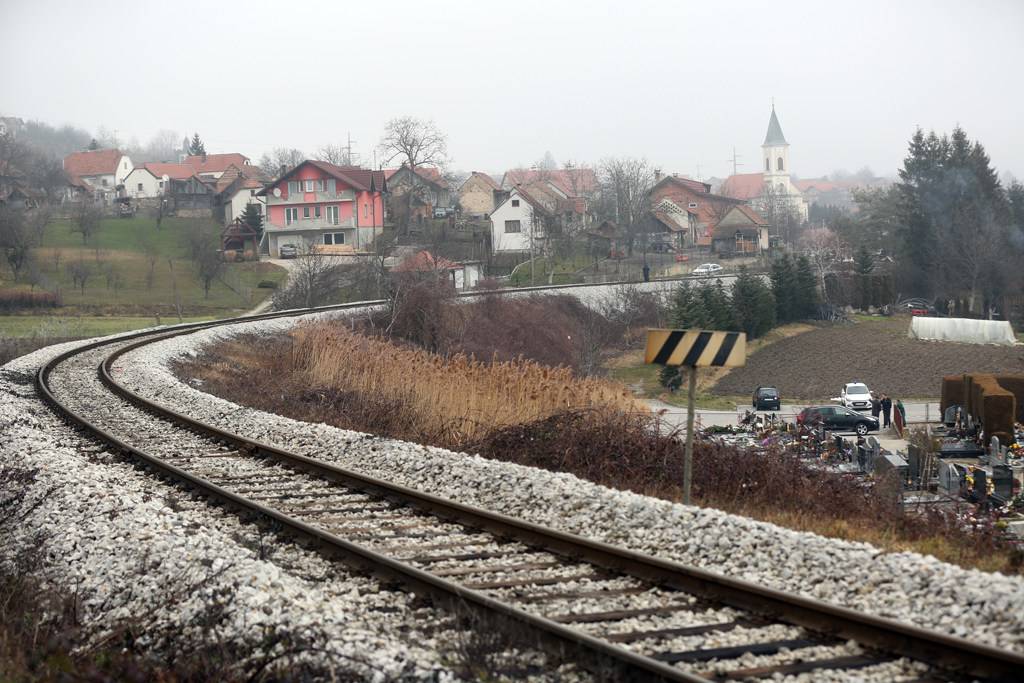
{"points": [[320, 203]]}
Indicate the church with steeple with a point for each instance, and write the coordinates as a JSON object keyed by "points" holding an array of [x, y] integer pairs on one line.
{"points": [[771, 187]]}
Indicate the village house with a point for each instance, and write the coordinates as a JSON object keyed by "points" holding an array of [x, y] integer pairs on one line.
{"points": [[317, 203], [521, 222], [151, 180], [102, 169], [687, 209], [431, 190], [236, 189], [741, 232], [463, 275], [476, 195], [213, 166]]}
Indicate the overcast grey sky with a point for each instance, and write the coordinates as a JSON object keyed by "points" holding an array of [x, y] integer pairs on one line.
{"points": [[679, 82]]}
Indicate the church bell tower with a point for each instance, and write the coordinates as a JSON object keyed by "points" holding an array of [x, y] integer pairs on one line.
{"points": [[775, 154]]}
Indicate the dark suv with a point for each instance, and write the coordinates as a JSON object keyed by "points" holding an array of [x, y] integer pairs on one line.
{"points": [[838, 419], [767, 398]]}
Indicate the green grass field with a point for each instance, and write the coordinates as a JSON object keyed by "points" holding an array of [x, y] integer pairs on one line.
{"points": [[69, 326], [116, 257]]}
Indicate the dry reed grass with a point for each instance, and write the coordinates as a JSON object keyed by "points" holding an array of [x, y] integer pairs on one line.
{"points": [[459, 397]]}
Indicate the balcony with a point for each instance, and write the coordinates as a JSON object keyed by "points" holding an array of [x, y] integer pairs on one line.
{"points": [[304, 224], [317, 198]]}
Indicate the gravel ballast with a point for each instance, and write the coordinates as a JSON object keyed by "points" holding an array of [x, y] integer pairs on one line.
{"points": [[912, 588]]}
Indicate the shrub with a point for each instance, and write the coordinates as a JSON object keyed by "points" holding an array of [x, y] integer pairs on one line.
{"points": [[266, 284], [16, 299]]}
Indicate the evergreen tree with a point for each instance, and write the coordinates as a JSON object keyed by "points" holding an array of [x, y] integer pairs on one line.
{"points": [[196, 148], [699, 307], [783, 279], [805, 301], [93, 145], [253, 217], [753, 304], [863, 261]]}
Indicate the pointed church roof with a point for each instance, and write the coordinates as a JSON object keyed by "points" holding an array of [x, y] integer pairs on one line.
{"points": [[774, 136]]}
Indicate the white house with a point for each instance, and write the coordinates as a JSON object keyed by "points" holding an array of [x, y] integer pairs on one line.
{"points": [[239, 187], [151, 180], [518, 222], [102, 169]]}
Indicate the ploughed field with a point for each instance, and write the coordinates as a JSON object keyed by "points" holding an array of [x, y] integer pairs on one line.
{"points": [[814, 365]]}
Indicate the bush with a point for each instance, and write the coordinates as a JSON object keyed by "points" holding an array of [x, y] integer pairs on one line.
{"points": [[16, 299], [266, 284]]}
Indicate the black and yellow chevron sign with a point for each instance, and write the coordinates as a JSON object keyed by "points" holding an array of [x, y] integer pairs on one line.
{"points": [[696, 348]]}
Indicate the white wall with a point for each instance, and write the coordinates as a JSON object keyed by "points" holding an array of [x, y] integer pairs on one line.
{"points": [[124, 167], [511, 241], [240, 200], [150, 184]]}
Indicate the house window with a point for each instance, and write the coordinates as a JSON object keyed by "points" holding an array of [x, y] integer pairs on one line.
{"points": [[309, 186], [294, 186], [140, 187], [332, 215], [161, 184], [515, 202], [252, 193], [334, 238], [513, 226], [320, 185], [316, 212], [366, 210], [767, 164], [291, 215], [305, 212], [105, 183], [780, 164]]}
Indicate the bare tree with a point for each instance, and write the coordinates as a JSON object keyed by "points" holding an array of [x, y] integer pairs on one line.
{"points": [[80, 272], [781, 212], [416, 143], [203, 244], [280, 158], [334, 154], [822, 248], [20, 232], [163, 146], [628, 181], [151, 254], [314, 279], [85, 219]]}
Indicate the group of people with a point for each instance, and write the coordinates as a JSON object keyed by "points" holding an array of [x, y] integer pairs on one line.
{"points": [[881, 404]]}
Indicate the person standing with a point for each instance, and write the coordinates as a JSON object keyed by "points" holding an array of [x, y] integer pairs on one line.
{"points": [[886, 410], [876, 405]]}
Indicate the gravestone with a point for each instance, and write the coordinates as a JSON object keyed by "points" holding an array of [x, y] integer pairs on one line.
{"points": [[1002, 480]]}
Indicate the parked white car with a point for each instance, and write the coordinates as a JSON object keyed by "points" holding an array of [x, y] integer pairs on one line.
{"points": [[706, 269], [856, 395]]}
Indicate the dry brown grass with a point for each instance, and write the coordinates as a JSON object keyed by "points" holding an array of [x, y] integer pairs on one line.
{"points": [[459, 396]]}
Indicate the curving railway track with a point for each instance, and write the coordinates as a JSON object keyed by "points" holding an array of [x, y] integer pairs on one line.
{"points": [[620, 614]]}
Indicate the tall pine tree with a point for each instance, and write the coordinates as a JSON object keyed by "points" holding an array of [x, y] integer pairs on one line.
{"points": [[196, 148], [753, 304]]}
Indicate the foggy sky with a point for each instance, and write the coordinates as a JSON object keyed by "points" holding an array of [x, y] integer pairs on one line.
{"points": [[678, 82]]}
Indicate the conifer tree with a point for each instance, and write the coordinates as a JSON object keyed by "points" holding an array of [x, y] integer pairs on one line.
{"points": [[753, 304], [806, 289], [196, 148]]}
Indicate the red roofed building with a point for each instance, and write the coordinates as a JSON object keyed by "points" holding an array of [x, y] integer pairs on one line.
{"points": [[102, 169], [431, 191], [237, 188], [317, 203], [152, 179], [688, 209], [463, 275], [572, 182], [214, 165], [741, 232]]}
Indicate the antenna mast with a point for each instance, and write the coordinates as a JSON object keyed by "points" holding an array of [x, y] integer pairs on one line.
{"points": [[735, 161]]}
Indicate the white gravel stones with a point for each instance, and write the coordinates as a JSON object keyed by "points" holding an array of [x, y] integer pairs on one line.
{"points": [[917, 589], [183, 574]]}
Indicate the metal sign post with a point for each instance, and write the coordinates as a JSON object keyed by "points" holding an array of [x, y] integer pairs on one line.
{"points": [[694, 349]]}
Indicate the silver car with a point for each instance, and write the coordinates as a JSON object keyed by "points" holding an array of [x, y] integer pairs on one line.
{"points": [[856, 395], [707, 269]]}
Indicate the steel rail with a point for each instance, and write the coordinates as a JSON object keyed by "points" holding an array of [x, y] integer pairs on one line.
{"points": [[947, 652]]}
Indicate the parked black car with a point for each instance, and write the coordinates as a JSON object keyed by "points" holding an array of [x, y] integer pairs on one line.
{"points": [[839, 419], [767, 398]]}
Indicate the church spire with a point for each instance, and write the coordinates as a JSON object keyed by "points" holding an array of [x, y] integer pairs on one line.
{"points": [[774, 135]]}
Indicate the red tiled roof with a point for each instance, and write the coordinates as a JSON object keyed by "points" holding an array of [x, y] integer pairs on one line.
{"points": [[695, 185], [96, 162], [215, 163], [584, 180], [743, 186], [424, 261], [428, 173], [668, 221], [175, 171], [682, 194], [754, 216], [353, 176]]}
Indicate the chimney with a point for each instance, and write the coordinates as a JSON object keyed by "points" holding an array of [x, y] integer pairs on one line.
{"points": [[657, 174], [281, 171]]}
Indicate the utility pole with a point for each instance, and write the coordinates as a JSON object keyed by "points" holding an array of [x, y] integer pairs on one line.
{"points": [[734, 161], [351, 158]]}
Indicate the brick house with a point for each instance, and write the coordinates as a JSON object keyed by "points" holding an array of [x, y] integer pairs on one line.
{"points": [[317, 203], [674, 197], [431, 190], [476, 195]]}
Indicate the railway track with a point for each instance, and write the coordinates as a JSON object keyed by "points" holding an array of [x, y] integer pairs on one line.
{"points": [[618, 613]]}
